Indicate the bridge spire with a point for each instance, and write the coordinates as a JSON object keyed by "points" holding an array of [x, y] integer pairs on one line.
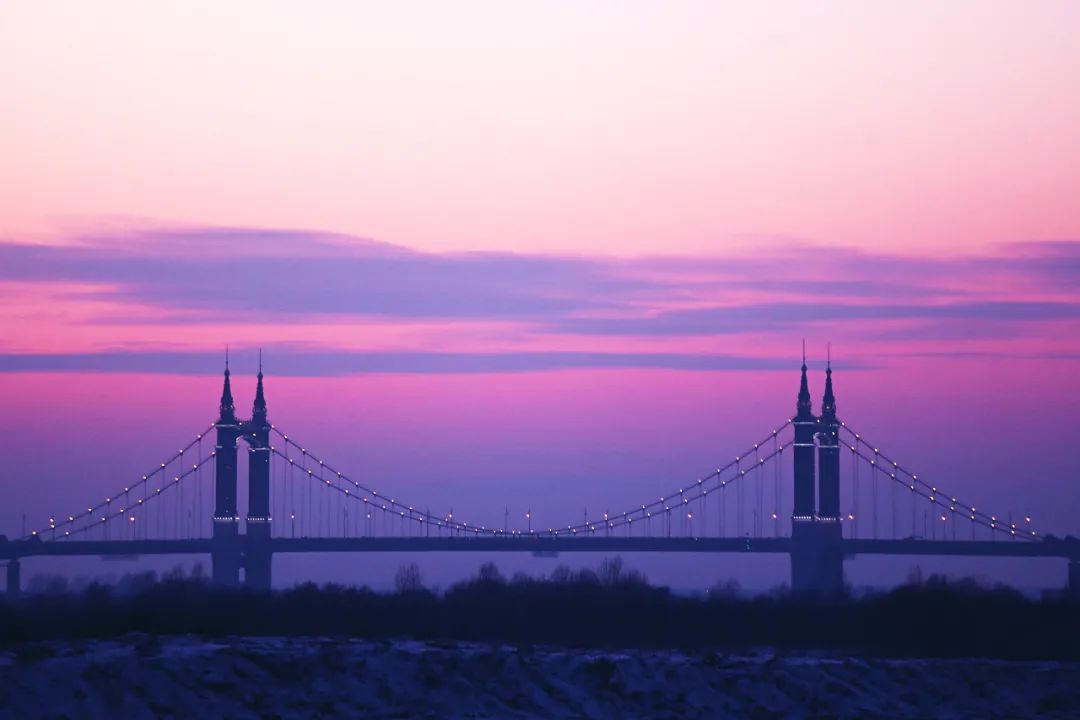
{"points": [[828, 402], [228, 407], [258, 413], [804, 404]]}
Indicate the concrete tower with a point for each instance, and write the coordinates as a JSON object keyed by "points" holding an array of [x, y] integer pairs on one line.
{"points": [[829, 454], [225, 555], [257, 435], [805, 427]]}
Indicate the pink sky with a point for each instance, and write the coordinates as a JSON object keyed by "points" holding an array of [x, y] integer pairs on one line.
{"points": [[597, 127], [453, 226]]}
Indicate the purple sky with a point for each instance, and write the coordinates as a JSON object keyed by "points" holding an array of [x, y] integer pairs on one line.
{"points": [[541, 256]]}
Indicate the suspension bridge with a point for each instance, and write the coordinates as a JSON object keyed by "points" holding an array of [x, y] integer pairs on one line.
{"points": [[299, 503]]}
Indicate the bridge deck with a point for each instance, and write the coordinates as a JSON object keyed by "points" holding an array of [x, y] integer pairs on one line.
{"points": [[541, 544]]}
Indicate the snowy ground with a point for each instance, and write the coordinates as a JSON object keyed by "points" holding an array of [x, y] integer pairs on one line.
{"points": [[142, 677]]}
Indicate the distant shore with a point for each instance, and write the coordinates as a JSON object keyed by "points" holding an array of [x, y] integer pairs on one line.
{"points": [[607, 608]]}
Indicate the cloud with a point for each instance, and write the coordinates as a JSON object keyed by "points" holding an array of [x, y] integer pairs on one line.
{"points": [[789, 315], [222, 276], [317, 363], [267, 272]]}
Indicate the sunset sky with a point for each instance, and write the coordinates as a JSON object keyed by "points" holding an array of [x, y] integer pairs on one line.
{"points": [[548, 255]]}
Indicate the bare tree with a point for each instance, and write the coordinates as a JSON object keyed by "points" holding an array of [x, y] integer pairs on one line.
{"points": [[408, 578]]}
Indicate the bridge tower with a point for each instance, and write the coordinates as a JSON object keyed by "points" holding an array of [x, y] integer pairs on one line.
{"points": [[805, 428], [257, 560], [225, 553], [817, 564], [828, 454]]}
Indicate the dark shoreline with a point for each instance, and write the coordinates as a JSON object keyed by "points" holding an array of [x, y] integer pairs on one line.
{"points": [[612, 609]]}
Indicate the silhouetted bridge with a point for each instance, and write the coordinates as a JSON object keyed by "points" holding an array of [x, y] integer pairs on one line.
{"points": [[300, 504]]}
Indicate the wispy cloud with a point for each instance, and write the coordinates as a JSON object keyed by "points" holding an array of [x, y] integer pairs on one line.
{"points": [[329, 363], [538, 311]]}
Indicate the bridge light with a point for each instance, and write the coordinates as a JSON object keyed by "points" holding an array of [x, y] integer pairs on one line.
{"points": [[1027, 519], [71, 518], [856, 436], [33, 532], [774, 516], [849, 517]]}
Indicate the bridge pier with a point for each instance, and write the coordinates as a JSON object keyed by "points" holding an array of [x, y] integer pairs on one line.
{"points": [[13, 573], [258, 559], [817, 559], [225, 558], [225, 566], [257, 569]]}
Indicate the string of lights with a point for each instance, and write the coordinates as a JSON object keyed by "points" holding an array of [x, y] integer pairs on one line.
{"points": [[129, 510], [67, 525], [386, 503], [934, 495]]}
